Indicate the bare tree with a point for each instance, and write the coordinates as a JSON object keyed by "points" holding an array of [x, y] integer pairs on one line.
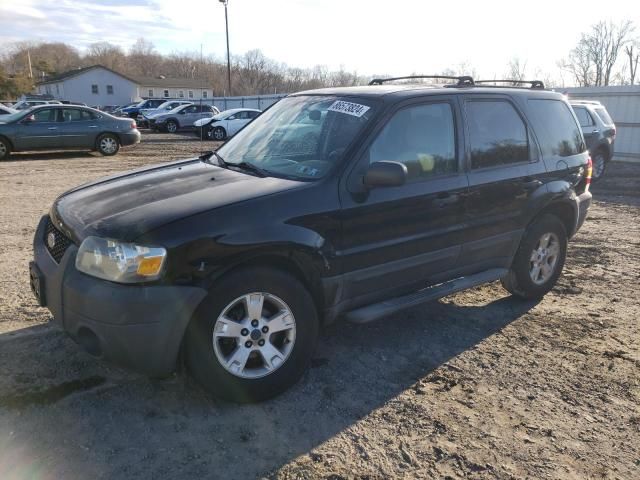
{"points": [[579, 65], [516, 70], [107, 54], [634, 57]]}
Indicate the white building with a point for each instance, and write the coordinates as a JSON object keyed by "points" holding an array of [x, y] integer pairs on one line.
{"points": [[623, 104], [98, 85]]}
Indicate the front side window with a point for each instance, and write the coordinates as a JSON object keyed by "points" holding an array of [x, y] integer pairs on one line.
{"points": [[94, 89], [556, 128], [301, 137], [497, 134], [109, 89], [422, 137], [584, 117], [190, 109], [45, 115]]}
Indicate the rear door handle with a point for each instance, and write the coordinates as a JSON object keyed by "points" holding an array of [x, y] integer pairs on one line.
{"points": [[93, 126], [52, 128]]}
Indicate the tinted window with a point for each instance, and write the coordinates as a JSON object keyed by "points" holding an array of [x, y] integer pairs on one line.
{"points": [[45, 115], [190, 109], [72, 115], [584, 117], [604, 116], [497, 134], [556, 128], [421, 137]]}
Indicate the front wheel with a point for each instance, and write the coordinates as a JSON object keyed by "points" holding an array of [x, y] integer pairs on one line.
{"points": [[539, 260], [172, 126], [219, 134], [253, 335], [108, 144]]}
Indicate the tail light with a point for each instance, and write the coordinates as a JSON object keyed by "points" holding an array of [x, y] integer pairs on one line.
{"points": [[588, 173], [134, 125]]}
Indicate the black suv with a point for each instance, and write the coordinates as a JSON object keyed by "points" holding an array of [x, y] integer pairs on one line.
{"points": [[599, 133], [343, 202]]}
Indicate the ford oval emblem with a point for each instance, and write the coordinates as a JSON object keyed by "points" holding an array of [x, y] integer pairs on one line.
{"points": [[51, 240]]}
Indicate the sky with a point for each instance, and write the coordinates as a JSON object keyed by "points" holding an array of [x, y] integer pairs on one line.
{"points": [[368, 36]]}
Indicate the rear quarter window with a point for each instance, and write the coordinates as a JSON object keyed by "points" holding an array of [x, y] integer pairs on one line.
{"points": [[556, 128], [604, 116]]}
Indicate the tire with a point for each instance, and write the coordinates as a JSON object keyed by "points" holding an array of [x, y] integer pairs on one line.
{"points": [[108, 144], [219, 134], [172, 126], [532, 252], [5, 148], [248, 377], [600, 160]]}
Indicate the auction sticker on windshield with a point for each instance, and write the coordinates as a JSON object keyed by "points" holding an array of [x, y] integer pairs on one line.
{"points": [[349, 108]]}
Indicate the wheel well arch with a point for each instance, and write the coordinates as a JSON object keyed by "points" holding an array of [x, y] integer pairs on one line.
{"points": [[174, 120], [564, 211], [289, 263]]}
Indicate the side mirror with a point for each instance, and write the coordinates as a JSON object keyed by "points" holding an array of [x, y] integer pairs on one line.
{"points": [[385, 174], [28, 119]]}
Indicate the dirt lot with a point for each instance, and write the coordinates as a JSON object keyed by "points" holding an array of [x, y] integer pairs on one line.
{"points": [[477, 385]]}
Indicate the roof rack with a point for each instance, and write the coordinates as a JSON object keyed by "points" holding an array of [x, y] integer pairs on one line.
{"points": [[537, 84], [462, 81]]}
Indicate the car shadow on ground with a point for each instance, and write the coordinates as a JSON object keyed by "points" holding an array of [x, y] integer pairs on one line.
{"points": [[70, 415], [51, 155], [186, 135]]}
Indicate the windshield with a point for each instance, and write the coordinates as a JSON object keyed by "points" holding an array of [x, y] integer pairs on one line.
{"points": [[300, 137]]}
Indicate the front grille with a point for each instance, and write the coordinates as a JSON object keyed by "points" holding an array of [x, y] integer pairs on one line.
{"points": [[61, 243]]}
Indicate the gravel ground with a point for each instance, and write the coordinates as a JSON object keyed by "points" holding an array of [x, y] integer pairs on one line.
{"points": [[476, 385]]}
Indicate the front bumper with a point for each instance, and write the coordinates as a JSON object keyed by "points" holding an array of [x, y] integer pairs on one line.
{"points": [[135, 326]]}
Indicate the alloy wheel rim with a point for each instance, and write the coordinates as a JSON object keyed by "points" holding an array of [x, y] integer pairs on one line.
{"points": [[254, 335], [108, 145], [171, 127], [217, 133], [544, 258]]}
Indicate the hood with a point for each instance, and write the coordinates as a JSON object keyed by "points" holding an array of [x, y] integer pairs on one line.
{"points": [[204, 121], [128, 205]]}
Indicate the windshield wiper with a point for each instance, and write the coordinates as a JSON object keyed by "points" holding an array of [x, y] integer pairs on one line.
{"points": [[250, 167]]}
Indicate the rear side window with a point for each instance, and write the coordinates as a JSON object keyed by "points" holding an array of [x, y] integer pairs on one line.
{"points": [[556, 128], [604, 116], [422, 137], [497, 134], [584, 117]]}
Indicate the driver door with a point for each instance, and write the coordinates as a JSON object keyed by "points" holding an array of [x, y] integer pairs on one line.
{"points": [[39, 130]]}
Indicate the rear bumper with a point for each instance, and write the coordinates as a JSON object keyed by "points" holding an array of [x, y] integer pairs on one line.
{"points": [[130, 138], [138, 327], [583, 203]]}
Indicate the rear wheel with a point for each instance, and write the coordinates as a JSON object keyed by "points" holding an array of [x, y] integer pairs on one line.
{"points": [[539, 260], [599, 165], [108, 144], [5, 149], [253, 335]]}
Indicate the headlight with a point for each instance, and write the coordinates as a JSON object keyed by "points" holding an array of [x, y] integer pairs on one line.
{"points": [[120, 262]]}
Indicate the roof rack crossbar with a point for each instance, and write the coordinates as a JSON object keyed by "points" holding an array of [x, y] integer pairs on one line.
{"points": [[533, 83], [464, 80]]}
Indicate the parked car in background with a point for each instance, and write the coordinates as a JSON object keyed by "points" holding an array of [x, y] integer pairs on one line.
{"points": [[234, 260], [133, 110], [145, 113], [7, 110], [56, 127], [225, 124], [599, 132], [183, 116], [24, 104], [108, 108]]}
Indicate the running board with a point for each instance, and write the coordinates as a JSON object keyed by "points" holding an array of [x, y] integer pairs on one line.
{"points": [[376, 311]]}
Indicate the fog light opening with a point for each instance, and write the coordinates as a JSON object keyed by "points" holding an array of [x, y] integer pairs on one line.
{"points": [[89, 341]]}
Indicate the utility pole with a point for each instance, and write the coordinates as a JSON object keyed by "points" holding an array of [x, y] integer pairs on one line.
{"points": [[29, 59], [226, 22]]}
